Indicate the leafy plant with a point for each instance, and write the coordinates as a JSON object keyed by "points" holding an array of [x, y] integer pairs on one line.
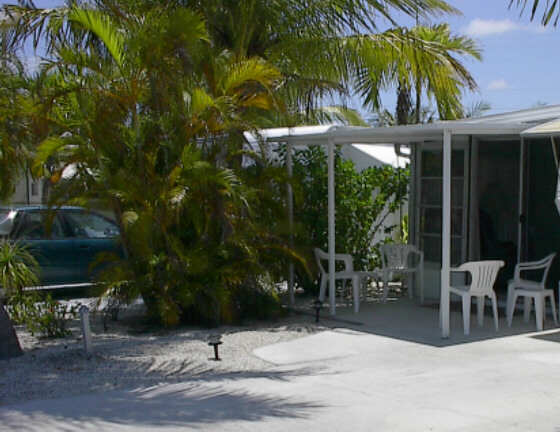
{"points": [[18, 267], [41, 315], [364, 200]]}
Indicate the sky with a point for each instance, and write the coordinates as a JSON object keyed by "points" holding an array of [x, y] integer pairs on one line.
{"points": [[521, 59]]}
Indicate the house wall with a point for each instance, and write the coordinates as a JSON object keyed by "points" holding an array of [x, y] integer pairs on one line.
{"points": [[28, 191]]}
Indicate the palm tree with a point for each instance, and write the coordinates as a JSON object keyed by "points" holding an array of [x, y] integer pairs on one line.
{"points": [[431, 62], [551, 10], [148, 113], [147, 102], [18, 269], [326, 49]]}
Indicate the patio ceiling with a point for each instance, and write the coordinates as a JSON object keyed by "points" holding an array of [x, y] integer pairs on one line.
{"points": [[547, 129]]}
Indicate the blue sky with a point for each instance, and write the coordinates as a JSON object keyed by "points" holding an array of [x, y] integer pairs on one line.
{"points": [[521, 59], [521, 63]]}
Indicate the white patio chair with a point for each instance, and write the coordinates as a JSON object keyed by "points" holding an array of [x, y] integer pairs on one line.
{"points": [[531, 289], [400, 258], [483, 275], [348, 274]]}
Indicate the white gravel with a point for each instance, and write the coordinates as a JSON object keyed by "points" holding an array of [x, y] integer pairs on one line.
{"points": [[130, 355]]}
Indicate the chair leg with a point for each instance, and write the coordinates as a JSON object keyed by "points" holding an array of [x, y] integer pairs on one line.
{"points": [[553, 307], [539, 303], [363, 283], [526, 309], [376, 279], [356, 293], [495, 311], [385, 286], [466, 314], [511, 309], [480, 310], [420, 277], [322, 290], [509, 301]]}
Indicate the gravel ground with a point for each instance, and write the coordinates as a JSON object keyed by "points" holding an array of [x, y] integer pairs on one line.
{"points": [[130, 355]]}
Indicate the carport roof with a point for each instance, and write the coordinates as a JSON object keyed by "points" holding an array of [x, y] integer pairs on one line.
{"points": [[509, 124]]}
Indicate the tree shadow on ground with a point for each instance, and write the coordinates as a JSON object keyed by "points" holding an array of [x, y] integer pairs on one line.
{"points": [[187, 404]]}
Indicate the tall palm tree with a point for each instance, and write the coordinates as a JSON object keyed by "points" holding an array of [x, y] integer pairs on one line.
{"points": [[324, 49], [431, 63]]}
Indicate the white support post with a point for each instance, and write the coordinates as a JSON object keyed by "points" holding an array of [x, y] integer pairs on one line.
{"points": [[446, 235], [331, 226], [290, 200]]}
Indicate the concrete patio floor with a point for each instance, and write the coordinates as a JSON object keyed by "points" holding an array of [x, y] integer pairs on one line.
{"points": [[390, 372]]}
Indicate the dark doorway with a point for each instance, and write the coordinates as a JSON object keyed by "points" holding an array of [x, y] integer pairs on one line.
{"points": [[542, 228], [498, 180]]}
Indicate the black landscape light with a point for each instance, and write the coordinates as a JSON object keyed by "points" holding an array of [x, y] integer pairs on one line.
{"points": [[317, 305], [215, 340]]}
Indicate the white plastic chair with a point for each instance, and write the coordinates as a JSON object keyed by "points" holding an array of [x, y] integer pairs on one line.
{"points": [[348, 274], [398, 258], [531, 289], [483, 275]]}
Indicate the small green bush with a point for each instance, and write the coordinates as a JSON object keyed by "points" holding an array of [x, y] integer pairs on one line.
{"points": [[40, 315]]}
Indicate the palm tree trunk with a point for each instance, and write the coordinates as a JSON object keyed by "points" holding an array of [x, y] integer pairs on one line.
{"points": [[9, 343]]}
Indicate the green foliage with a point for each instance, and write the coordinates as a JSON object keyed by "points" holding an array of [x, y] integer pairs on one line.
{"points": [[363, 202], [40, 315], [148, 102], [18, 267]]}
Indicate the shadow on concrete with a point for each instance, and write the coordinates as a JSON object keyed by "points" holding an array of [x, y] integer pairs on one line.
{"points": [[409, 320], [550, 336], [190, 404]]}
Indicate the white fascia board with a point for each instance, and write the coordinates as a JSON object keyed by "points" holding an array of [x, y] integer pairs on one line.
{"points": [[408, 134]]}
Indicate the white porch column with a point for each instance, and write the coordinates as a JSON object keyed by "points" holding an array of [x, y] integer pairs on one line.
{"points": [[331, 226], [446, 235], [290, 200]]}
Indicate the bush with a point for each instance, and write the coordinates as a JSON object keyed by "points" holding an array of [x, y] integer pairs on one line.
{"points": [[363, 202], [40, 315]]}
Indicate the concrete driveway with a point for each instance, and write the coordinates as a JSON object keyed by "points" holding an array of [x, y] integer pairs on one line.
{"points": [[359, 379]]}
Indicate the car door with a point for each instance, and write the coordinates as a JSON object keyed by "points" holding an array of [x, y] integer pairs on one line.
{"points": [[93, 234], [50, 243]]}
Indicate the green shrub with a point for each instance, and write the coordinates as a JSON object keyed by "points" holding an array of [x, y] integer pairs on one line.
{"points": [[363, 202], [40, 315]]}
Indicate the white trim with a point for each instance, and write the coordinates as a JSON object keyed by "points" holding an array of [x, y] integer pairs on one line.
{"points": [[446, 234], [331, 227]]}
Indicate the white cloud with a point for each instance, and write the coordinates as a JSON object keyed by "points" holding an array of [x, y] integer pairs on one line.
{"points": [[481, 27], [500, 84]]}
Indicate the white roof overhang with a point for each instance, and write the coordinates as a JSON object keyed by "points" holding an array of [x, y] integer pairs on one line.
{"points": [[408, 134]]}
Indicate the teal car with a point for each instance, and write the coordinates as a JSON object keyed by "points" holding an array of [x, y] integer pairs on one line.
{"points": [[65, 241]]}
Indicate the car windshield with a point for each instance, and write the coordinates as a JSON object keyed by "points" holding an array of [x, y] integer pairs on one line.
{"points": [[7, 217]]}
